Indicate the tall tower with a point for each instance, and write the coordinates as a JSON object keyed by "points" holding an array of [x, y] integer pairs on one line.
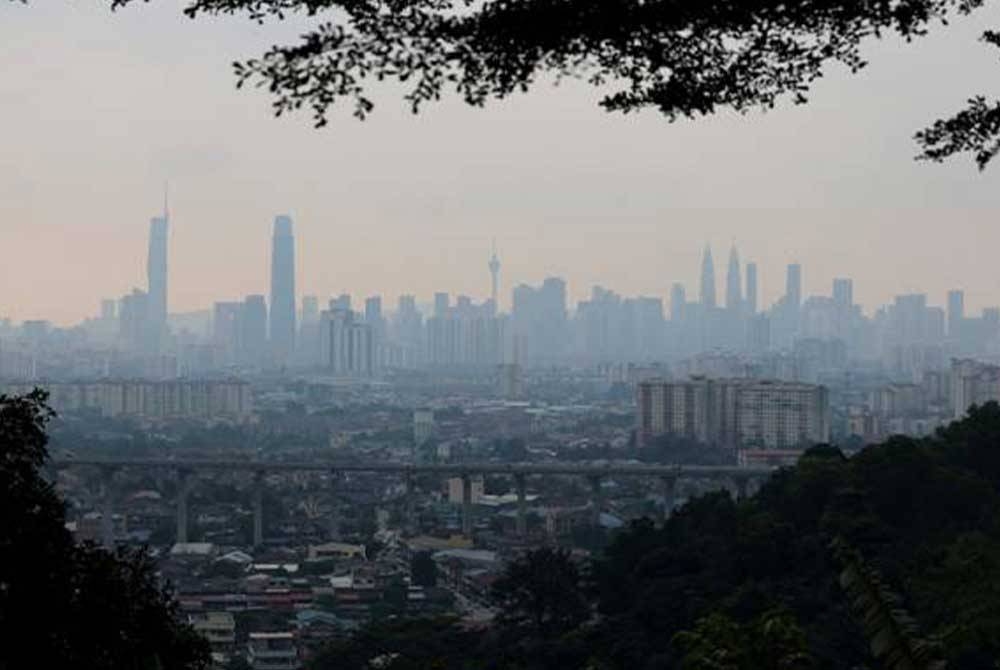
{"points": [[678, 299], [751, 288], [495, 279], [707, 279], [793, 286], [956, 313], [156, 277], [282, 288], [734, 290]]}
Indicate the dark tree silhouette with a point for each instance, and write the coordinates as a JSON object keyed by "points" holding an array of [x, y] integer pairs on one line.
{"points": [[685, 58], [423, 570], [69, 606], [541, 593]]}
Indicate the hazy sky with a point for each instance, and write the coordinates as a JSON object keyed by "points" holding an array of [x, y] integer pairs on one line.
{"points": [[98, 109]]}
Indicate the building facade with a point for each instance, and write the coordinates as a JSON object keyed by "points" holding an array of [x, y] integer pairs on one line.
{"points": [[733, 413]]}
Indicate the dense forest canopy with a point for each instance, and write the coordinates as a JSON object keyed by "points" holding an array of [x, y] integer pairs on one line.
{"points": [[685, 58]]}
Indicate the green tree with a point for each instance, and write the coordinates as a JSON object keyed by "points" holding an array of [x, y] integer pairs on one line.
{"points": [[774, 641], [892, 633], [63, 605], [541, 593]]}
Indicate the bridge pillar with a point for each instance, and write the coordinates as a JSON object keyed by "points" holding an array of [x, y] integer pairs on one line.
{"points": [[466, 505], [107, 506], [669, 490], [522, 505], [258, 507], [183, 491], [597, 498]]}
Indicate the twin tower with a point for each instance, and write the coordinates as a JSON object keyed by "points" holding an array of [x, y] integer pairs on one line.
{"points": [[735, 299]]}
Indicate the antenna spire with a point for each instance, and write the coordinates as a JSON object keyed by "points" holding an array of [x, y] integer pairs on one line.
{"points": [[166, 200]]}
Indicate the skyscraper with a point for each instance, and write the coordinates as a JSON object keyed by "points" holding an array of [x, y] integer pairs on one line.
{"points": [[734, 290], [707, 279], [677, 300], [495, 279], [793, 286], [956, 313], [751, 288], [843, 292], [253, 330], [441, 304], [310, 309], [156, 279], [282, 321]]}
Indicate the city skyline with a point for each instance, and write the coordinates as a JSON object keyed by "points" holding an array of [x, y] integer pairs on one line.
{"points": [[565, 188], [282, 265]]}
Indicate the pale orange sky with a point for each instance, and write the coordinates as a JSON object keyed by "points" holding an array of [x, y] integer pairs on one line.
{"points": [[97, 110]]}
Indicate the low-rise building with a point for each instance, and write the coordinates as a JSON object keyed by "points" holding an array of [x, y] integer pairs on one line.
{"points": [[273, 651]]}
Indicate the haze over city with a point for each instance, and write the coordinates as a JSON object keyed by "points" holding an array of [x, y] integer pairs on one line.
{"points": [[104, 108]]}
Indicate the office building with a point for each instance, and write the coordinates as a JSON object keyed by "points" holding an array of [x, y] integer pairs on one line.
{"points": [[734, 290], [678, 298], [539, 320], [843, 292], [793, 286], [133, 320], [156, 281], [956, 314], [707, 295], [751, 299], [253, 330], [282, 316], [349, 348]]}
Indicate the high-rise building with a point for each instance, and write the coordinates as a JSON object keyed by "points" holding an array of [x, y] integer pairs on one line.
{"points": [[956, 313], [108, 309], [133, 315], [751, 300], [707, 295], [494, 266], [678, 298], [793, 286], [734, 413], [540, 320], [973, 383], [843, 292], [156, 279], [734, 290], [341, 302], [310, 309], [227, 330], [348, 344], [282, 323], [373, 310], [441, 304], [253, 330]]}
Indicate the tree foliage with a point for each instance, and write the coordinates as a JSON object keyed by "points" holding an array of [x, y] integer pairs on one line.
{"points": [[541, 593], [685, 58], [64, 605], [892, 633], [773, 641]]}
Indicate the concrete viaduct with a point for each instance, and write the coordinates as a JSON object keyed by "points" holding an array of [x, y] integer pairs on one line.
{"points": [[668, 475]]}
